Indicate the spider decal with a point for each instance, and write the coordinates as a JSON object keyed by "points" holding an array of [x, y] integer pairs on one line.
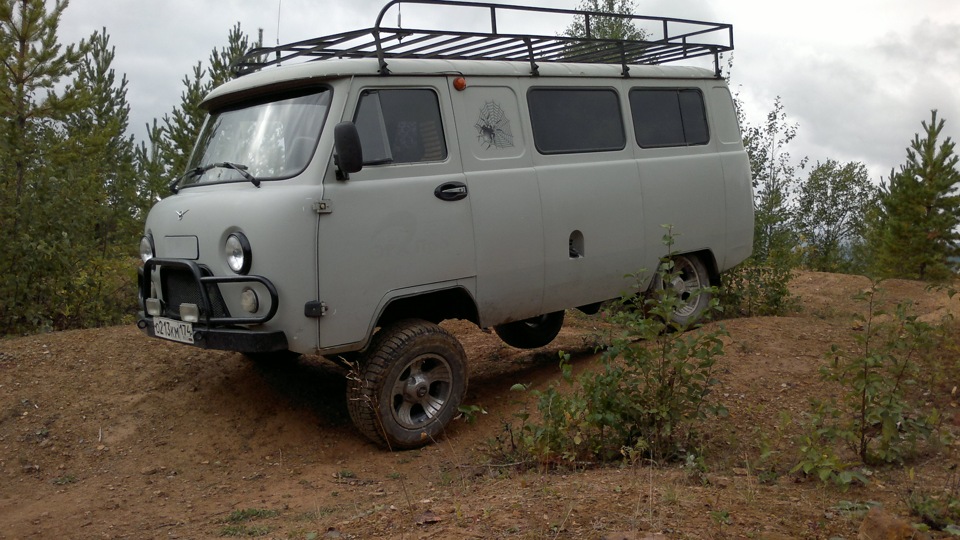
{"points": [[493, 127]]}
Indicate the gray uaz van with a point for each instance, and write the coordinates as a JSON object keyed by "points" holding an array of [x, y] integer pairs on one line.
{"points": [[350, 192]]}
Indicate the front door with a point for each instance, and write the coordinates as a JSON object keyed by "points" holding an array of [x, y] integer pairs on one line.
{"points": [[401, 224]]}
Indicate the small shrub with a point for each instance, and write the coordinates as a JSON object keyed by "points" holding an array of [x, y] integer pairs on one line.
{"points": [[938, 509], [647, 396], [874, 417], [755, 288], [817, 456], [881, 425]]}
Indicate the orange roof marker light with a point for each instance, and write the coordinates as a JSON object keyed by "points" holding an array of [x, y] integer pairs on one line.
{"points": [[460, 84]]}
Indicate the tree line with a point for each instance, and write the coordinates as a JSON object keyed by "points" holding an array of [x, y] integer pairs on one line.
{"points": [[75, 187]]}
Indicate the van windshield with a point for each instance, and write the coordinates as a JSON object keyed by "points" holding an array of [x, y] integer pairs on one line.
{"points": [[263, 140]]}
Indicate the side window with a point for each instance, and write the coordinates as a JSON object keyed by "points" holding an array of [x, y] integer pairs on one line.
{"points": [[668, 117], [571, 120], [400, 126]]}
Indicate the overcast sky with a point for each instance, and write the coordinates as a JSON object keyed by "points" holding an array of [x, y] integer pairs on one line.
{"points": [[858, 76]]}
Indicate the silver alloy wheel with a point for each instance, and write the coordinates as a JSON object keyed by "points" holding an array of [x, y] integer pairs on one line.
{"points": [[421, 390], [687, 282]]}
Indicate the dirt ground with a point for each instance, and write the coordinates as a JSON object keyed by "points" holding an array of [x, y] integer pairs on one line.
{"points": [[108, 434]]}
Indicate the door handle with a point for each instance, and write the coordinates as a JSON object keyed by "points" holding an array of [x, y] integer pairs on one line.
{"points": [[451, 191]]}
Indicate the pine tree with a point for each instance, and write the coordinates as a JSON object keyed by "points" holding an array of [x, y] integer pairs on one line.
{"points": [[98, 161], [151, 162], [920, 210], [35, 251], [99, 134], [33, 63], [182, 125]]}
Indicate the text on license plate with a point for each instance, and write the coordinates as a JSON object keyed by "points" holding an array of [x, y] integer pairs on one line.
{"points": [[173, 330]]}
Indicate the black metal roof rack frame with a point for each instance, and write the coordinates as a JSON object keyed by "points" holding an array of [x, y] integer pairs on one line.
{"points": [[678, 39]]}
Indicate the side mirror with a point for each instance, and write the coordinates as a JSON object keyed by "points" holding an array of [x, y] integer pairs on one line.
{"points": [[349, 155]]}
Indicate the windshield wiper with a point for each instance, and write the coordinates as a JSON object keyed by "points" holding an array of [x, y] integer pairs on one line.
{"points": [[242, 169], [197, 171]]}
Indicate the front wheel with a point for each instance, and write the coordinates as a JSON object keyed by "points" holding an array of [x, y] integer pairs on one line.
{"points": [[531, 333], [690, 281], [409, 385]]}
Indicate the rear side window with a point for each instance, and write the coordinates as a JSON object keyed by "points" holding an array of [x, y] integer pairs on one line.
{"points": [[571, 120], [668, 117], [400, 126]]}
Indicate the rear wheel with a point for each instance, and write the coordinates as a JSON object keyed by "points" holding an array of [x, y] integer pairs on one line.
{"points": [[688, 279], [410, 384], [533, 332]]}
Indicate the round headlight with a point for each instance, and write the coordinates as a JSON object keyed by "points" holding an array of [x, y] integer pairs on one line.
{"points": [[146, 248], [249, 300], [237, 251]]}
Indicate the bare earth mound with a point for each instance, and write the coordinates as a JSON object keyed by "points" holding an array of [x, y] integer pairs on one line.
{"points": [[107, 434]]}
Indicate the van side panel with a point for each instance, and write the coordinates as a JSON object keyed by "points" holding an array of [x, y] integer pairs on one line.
{"points": [[591, 199], [736, 174], [682, 188], [504, 198], [595, 197], [682, 184]]}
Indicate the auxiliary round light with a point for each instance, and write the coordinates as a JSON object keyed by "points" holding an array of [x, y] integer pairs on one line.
{"points": [[237, 251], [249, 300], [147, 251]]}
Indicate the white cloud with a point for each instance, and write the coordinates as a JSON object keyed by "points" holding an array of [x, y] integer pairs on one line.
{"points": [[858, 76]]}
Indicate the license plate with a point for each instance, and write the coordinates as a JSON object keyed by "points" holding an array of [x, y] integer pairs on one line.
{"points": [[173, 330]]}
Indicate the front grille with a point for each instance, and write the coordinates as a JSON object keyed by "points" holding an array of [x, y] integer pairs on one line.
{"points": [[180, 287]]}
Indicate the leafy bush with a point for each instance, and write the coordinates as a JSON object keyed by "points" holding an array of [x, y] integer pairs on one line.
{"points": [[874, 417], [102, 293], [754, 288], [647, 396]]}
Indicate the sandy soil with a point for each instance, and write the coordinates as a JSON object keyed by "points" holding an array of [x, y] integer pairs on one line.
{"points": [[108, 434]]}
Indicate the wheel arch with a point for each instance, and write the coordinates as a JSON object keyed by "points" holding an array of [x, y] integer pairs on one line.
{"points": [[433, 306]]}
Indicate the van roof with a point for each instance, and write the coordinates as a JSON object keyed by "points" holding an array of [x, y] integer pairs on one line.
{"points": [[309, 73], [657, 40]]}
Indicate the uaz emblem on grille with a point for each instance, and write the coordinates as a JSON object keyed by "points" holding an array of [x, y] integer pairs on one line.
{"points": [[181, 213]]}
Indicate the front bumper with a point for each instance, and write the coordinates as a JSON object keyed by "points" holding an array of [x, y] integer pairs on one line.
{"points": [[227, 339], [185, 282]]}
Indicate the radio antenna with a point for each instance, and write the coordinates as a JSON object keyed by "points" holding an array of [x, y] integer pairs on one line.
{"points": [[279, 3]]}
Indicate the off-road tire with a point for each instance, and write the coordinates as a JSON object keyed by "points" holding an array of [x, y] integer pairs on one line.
{"points": [[408, 386]]}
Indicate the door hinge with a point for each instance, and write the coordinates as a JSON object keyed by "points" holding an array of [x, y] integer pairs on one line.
{"points": [[315, 309], [323, 207]]}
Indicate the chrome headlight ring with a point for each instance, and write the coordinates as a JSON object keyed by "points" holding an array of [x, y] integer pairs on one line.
{"points": [[237, 252], [147, 249]]}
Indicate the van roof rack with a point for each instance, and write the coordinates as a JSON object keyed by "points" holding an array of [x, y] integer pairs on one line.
{"points": [[676, 39]]}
